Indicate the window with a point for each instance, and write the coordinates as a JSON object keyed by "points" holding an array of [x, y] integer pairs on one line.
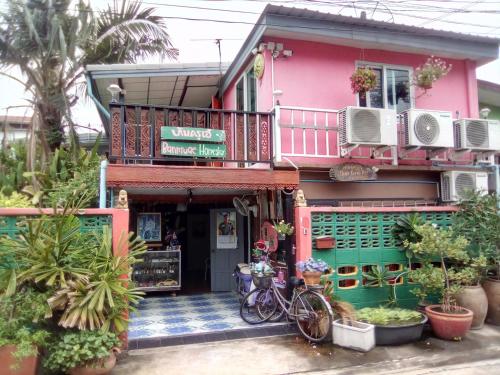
{"points": [[392, 91], [246, 92]]}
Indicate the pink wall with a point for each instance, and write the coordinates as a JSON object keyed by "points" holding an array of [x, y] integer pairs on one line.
{"points": [[317, 76]]}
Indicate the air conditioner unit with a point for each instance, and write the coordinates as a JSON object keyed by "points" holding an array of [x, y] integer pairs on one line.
{"points": [[367, 126], [455, 184], [427, 129], [477, 134]]}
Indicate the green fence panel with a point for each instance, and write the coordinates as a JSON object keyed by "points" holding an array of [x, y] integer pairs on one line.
{"points": [[11, 225], [364, 240]]}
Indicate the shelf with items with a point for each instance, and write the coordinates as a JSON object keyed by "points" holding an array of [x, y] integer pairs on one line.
{"points": [[160, 270]]}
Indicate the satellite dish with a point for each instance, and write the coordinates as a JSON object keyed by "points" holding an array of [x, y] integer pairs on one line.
{"points": [[243, 206]]}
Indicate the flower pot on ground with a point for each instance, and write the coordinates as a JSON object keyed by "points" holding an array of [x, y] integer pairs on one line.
{"points": [[449, 325], [393, 326], [474, 299], [83, 353], [14, 366], [355, 335], [492, 290]]}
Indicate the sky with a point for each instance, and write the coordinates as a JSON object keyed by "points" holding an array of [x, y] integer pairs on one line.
{"points": [[196, 39]]}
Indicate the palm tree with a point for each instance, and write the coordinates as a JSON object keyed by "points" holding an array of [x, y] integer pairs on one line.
{"points": [[51, 41]]}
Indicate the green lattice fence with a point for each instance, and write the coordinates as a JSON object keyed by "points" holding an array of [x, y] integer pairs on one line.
{"points": [[364, 240], [11, 225]]}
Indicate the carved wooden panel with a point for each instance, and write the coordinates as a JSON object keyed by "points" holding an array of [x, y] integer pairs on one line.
{"points": [[187, 119], [145, 134], [116, 133], [201, 121], [240, 137], [229, 135], [215, 120], [159, 119], [173, 118], [130, 131], [264, 138], [252, 137]]}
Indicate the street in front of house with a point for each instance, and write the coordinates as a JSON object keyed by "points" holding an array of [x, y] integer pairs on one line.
{"points": [[478, 353]]}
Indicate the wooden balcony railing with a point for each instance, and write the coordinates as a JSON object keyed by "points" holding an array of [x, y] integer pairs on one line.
{"points": [[136, 136]]}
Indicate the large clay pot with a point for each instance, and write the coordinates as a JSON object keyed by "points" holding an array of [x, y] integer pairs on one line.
{"points": [[27, 366], [492, 289], [103, 368], [474, 298], [449, 326]]}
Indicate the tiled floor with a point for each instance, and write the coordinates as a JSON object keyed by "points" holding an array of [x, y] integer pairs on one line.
{"points": [[168, 317]]}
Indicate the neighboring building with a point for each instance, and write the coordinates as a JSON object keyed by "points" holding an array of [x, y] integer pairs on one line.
{"points": [[284, 127], [14, 127], [489, 97]]}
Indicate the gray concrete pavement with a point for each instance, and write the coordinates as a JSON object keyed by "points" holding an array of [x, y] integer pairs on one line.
{"points": [[479, 353]]}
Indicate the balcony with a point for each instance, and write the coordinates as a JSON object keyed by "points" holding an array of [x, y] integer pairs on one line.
{"points": [[169, 135]]}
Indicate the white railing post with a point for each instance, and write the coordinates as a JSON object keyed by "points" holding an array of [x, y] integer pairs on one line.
{"points": [[277, 134]]}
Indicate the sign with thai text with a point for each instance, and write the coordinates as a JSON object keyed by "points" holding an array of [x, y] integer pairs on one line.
{"points": [[352, 172], [192, 134], [200, 150]]}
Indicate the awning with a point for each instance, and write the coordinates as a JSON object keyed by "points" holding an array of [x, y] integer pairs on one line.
{"points": [[186, 177]]}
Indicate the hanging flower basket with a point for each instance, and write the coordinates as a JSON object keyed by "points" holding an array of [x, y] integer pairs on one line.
{"points": [[431, 71], [363, 80]]}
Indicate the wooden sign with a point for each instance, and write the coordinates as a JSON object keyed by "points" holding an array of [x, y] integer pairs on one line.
{"points": [[192, 134], [201, 150], [352, 172]]}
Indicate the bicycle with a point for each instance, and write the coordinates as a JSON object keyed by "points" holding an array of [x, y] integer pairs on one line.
{"points": [[307, 307]]}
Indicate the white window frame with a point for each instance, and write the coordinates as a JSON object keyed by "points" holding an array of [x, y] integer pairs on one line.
{"points": [[384, 67], [244, 76]]}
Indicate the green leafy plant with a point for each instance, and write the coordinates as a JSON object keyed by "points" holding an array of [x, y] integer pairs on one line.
{"points": [[80, 349], [282, 228], [388, 316], [429, 280], [404, 230], [470, 273], [443, 245], [23, 321], [479, 222], [15, 199]]}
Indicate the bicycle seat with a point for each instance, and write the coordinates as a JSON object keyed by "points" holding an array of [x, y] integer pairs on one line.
{"points": [[295, 281]]}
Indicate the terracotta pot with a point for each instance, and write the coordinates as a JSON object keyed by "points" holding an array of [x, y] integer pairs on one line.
{"points": [[449, 326], [325, 243], [27, 366], [474, 298], [103, 368], [492, 289], [312, 277]]}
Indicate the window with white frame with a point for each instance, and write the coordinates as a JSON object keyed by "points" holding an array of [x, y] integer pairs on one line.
{"points": [[246, 92], [393, 88]]}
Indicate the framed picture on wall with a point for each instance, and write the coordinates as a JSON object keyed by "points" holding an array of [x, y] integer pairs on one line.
{"points": [[149, 226], [226, 230]]}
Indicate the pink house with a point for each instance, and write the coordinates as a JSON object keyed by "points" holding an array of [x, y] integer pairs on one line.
{"points": [[283, 118]]}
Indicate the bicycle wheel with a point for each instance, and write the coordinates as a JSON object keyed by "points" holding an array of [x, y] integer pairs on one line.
{"points": [[256, 308], [314, 315], [279, 313]]}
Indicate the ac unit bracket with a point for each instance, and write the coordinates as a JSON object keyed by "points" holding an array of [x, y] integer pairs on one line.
{"points": [[454, 155], [404, 152], [435, 152], [346, 150], [379, 150]]}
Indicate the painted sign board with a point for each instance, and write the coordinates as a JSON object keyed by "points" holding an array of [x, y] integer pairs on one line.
{"points": [[352, 172], [177, 133], [201, 150]]}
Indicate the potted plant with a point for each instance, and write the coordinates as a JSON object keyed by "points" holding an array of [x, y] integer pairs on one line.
{"points": [[347, 332], [83, 353], [477, 220], [283, 229], [393, 326], [22, 331], [363, 80], [448, 320], [311, 270], [433, 69], [429, 281]]}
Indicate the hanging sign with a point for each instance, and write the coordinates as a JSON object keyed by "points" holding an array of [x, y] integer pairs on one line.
{"points": [[201, 150], [192, 134], [352, 172]]}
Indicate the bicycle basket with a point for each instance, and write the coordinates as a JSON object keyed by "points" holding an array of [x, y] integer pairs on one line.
{"points": [[262, 281]]}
